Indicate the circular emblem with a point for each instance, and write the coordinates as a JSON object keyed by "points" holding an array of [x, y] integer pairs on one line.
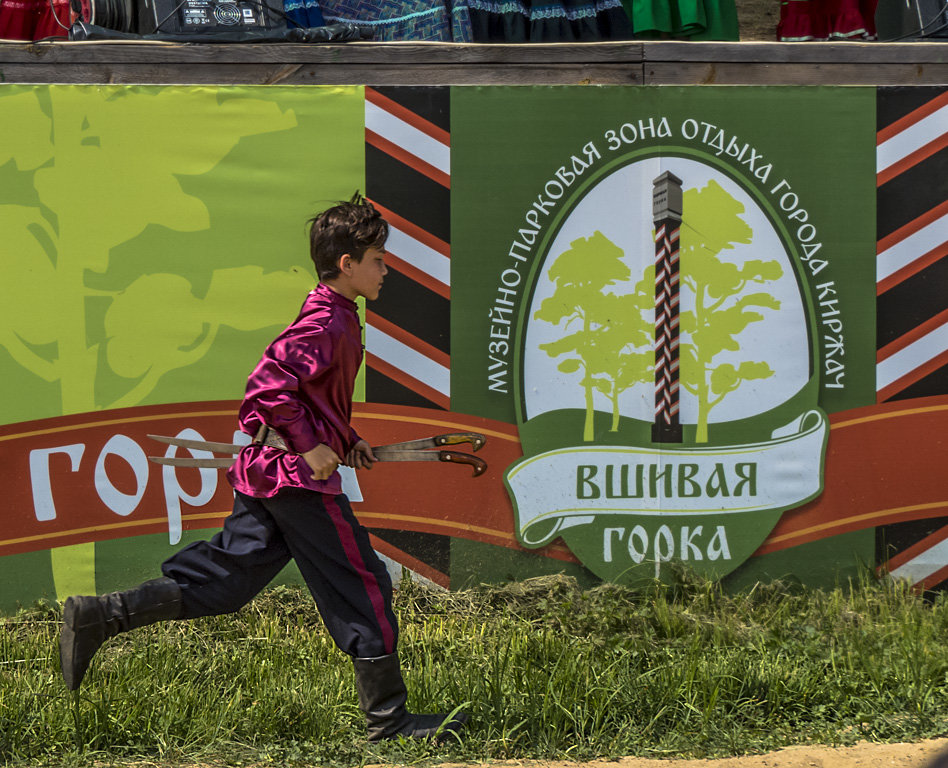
{"points": [[228, 14]]}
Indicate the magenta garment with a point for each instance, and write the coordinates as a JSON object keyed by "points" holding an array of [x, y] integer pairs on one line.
{"points": [[302, 388]]}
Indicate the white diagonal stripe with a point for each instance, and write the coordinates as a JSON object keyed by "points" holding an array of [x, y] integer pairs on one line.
{"points": [[913, 356], [419, 255], [923, 566], [406, 359], [912, 138], [409, 138], [916, 245]]}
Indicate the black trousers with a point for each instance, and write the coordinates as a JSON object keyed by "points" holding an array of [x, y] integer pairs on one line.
{"points": [[348, 581]]}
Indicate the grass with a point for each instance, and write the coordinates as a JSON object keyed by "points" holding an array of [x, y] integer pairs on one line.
{"points": [[545, 670]]}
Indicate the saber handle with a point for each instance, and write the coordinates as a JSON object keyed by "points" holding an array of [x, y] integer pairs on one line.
{"points": [[475, 439], [452, 457], [438, 441], [479, 465]]}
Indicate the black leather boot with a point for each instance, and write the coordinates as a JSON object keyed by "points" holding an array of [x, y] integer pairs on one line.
{"points": [[88, 621], [382, 697]]}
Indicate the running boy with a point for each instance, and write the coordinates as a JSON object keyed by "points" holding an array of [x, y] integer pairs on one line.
{"points": [[289, 502]]}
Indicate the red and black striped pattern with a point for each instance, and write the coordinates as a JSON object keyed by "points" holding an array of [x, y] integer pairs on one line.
{"points": [[912, 291], [407, 334], [408, 177], [912, 250]]}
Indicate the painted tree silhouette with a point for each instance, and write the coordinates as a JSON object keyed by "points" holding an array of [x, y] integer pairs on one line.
{"points": [[722, 310], [87, 187], [82, 186], [608, 326], [624, 343]]}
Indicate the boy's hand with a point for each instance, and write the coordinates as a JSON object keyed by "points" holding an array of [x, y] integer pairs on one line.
{"points": [[361, 456], [322, 460]]}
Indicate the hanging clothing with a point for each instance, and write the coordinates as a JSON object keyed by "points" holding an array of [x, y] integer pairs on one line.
{"points": [[548, 21], [683, 19], [33, 19], [303, 14], [804, 20], [435, 20]]}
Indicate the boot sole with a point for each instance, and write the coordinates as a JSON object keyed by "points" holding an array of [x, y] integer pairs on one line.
{"points": [[439, 733]]}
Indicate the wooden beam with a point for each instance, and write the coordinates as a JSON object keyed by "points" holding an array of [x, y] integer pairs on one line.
{"points": [[410, 63]]}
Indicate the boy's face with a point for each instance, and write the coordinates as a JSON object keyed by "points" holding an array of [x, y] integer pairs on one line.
{"points": [[365, 277]]}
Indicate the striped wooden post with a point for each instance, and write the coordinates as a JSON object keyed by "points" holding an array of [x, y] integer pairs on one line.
{"points": [[666, 214]]}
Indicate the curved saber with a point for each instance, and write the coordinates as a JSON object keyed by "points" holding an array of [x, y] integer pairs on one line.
{"points": [[412, 450], [453, 457]]}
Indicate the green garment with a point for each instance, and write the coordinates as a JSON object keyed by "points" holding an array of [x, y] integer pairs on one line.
{"points": [[688, 19]]}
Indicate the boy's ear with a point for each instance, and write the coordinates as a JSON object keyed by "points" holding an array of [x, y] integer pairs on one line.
{"points": [[344, 263]]}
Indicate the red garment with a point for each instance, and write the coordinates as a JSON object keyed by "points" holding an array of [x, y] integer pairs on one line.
{"points": [[302, 388], [33, 19], [802, 20]]}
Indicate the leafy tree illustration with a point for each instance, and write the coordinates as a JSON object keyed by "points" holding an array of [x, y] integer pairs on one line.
{"points": [[723, 308], [84, 185], [93, 188], [624, 342], [607, 326]]}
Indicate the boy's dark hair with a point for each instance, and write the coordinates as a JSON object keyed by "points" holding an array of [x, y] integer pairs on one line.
{"points": [[348, 227]]}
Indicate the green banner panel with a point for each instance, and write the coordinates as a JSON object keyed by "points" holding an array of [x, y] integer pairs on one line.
{"points": [[699, 327]]}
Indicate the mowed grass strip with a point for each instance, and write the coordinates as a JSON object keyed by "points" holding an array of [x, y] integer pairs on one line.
{"points": [[545, 670]]}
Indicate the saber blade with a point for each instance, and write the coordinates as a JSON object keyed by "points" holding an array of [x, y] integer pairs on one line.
{"points": [[190, 462], [200, 445]]}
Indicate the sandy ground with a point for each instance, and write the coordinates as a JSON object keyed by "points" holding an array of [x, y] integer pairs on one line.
{"points": [[926, 754]]}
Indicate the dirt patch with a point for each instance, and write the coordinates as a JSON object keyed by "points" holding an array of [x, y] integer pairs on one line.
{"points": [[926, 754], [757, 20]]}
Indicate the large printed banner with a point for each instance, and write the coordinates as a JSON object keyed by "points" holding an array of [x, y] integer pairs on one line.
{"points": [[696, 328]]}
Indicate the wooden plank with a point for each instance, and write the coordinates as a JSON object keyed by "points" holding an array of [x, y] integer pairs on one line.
{"points": [[447, 53], [414, 63], [736, 73], [352, 53], [799, 53], [318, 74]]}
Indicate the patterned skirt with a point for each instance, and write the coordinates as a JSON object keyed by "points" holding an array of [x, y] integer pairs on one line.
{"points": [[548, 21], [303, 13], [438, 20]]}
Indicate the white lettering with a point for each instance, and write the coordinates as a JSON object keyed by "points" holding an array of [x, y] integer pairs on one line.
{"points": [[131, 453], [175, 494], [43, 504]]}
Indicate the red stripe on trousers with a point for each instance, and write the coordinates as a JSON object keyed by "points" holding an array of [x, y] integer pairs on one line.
{"points": [[372, 588]]}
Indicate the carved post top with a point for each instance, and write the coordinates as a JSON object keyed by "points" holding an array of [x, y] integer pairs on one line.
{"points": [[666, 197]]}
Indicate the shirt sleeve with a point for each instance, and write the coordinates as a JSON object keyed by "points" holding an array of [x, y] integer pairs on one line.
{"points": [[275, 387]]}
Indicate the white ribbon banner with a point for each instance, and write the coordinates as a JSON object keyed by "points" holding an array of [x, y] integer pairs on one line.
{"points": [[568, 487]]}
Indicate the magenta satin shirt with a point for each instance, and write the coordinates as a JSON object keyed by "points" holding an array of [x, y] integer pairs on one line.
{"points": [[302, 388]]}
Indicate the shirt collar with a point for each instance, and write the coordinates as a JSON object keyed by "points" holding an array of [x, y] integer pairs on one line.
{"points": [[325, 292]]}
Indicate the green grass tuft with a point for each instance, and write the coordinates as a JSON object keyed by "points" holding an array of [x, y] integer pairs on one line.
{"points": [[545, 670]]}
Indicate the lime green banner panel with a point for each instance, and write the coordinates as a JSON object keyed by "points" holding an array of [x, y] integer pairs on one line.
{"points": [[154, 242], [154, 235]]}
